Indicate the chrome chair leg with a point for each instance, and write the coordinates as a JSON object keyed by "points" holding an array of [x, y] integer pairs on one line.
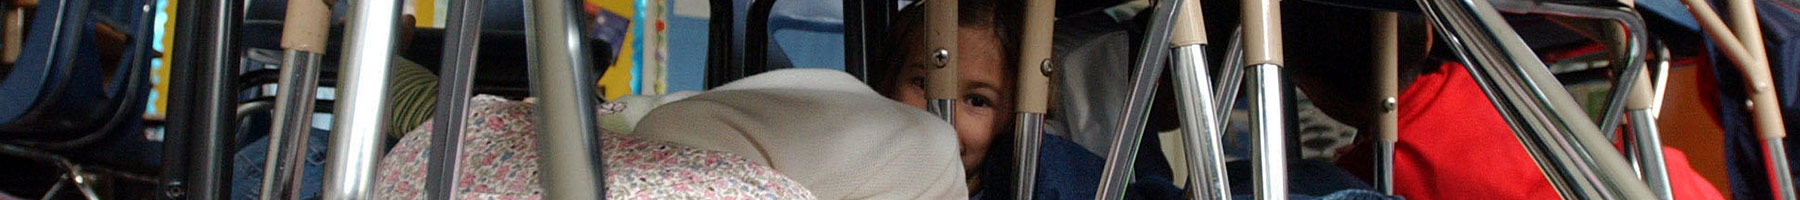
{"points": [[1034, 92], [305, 48], [1194, 96], [1263, 55], [84, 183], [1635, 48], [462, 41], [1148, 68], [291, 125], [570, 166], [1204, 148], [1648, 148], [1765, 105], [1387, 84], [356, 141], [1646, 142], [1754, 66], [1777, 161], [55, 189], [1268, 147], [1578, 160], [1231, 76]]}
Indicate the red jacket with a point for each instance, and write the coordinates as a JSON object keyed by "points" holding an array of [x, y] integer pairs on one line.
{"points": [[1454, 145]]}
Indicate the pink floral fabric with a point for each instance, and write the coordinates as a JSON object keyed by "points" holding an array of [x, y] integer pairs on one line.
{"points": [[499, 161]]}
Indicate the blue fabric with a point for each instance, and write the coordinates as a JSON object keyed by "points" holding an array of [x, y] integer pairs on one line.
{"points": [[1068, 171], [247, 167], [1672, 10], [1305, 177], [811, 15], [1355, 195], [1065, 171], [1339, 195], [1743, 151]]}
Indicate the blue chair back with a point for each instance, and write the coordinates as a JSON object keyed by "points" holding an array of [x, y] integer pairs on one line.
{"points": [[67, 85]]}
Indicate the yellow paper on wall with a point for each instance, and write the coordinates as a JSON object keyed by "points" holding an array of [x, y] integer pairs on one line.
{"points": [[616, 80]]}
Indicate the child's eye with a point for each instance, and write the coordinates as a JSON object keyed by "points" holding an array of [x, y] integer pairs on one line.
{"points": [[917, 82], [978, 101]]}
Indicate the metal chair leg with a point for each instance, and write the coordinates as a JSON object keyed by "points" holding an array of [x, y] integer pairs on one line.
{"points": [[1635, 47], [292, 124], [75, 178], [304, 39], [1149, 67], [462, 41], [1765, 105], [356, 141], [1263, 54], [1648, 148], [1778, 163], [1755, 69], [1268, 147], [84, 183], [940, 36], [84, 178], [1034, 92], [54, 189], [202, 98], [1204, 149], [1231, 76], [562, 79], [1194, 96], [1646, 141], [1387, 84], [1578, 160]]}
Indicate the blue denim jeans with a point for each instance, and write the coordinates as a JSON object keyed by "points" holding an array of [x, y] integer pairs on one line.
{"points": [[247, 167]]}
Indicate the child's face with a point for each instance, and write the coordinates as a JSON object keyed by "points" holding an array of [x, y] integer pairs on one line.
{"points": [[985, 102]]}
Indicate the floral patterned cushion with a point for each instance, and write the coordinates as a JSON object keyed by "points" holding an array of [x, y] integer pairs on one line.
{"points": [[499, 161]]}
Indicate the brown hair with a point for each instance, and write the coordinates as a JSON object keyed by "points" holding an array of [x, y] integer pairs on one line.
{"points": [[1000, 16]]}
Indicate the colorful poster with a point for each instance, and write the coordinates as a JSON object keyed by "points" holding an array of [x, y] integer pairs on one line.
{"points": [[619, 79], [628, 74]]}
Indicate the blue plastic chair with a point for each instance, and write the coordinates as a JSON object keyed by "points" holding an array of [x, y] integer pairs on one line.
{"points": [[61, 93]]}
